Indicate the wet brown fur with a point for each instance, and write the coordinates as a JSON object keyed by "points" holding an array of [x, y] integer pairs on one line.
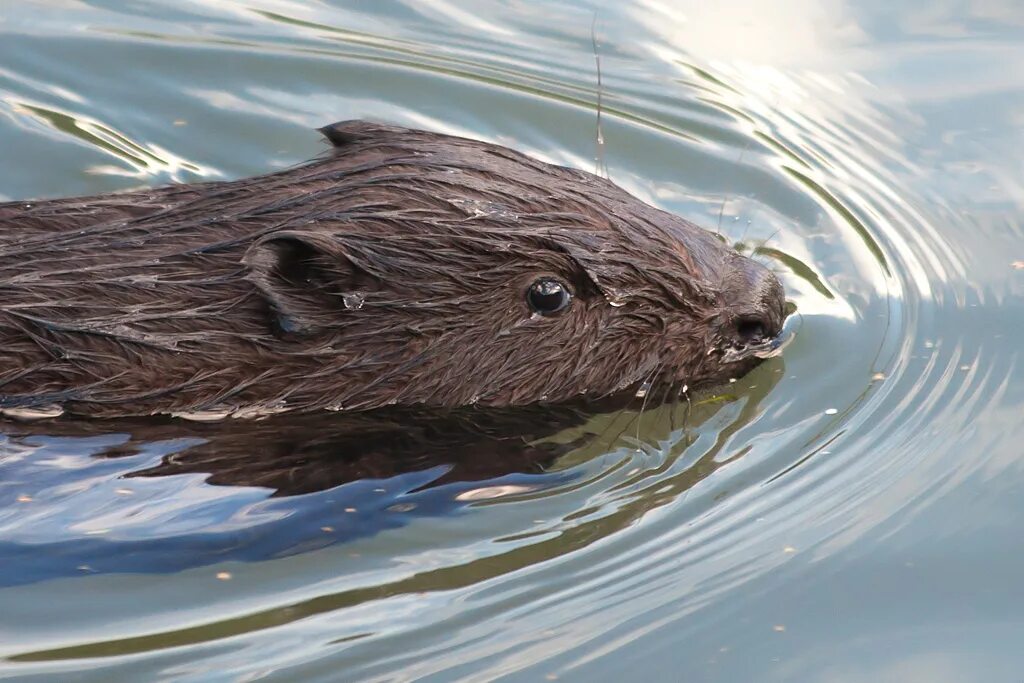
{"points": [[391, 271]]}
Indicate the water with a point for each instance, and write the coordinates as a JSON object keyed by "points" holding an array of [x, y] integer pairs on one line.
{"points": [[847, 512]]}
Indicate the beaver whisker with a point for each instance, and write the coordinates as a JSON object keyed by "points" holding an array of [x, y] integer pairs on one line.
{"points": [[764, 244], [646, 394]]}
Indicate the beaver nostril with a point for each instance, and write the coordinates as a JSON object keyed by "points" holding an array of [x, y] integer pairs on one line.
{"points": [[750, 331]]}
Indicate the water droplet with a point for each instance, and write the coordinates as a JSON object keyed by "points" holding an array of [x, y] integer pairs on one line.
{"points": [[353, 301], [476, 208]]}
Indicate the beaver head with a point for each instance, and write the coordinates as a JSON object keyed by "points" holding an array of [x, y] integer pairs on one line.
{"points": [[405, 267]]}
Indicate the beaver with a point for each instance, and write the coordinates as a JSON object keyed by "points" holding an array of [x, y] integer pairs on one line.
{"points": [[404, 267]]}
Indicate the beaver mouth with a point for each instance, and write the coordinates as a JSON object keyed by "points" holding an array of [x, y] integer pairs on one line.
{"points": [[761, 348], [769, 348]]}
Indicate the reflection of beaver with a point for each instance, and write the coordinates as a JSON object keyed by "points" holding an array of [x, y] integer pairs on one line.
{"points": [[406, 267], [303, 453]]}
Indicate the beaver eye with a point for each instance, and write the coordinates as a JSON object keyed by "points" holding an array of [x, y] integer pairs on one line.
{"points": [[547, 295]]}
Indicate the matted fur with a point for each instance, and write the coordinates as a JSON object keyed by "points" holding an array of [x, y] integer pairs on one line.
{"points": [[391, 271]]}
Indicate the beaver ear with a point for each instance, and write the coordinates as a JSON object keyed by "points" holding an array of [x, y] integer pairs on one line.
{"points": [[303, 276], [347, 132]]}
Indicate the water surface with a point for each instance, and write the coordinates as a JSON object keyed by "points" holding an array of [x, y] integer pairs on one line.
{"points": [[846, 512]]}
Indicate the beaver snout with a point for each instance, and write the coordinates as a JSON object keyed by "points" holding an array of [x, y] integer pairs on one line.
{"points": [[756, 304]]}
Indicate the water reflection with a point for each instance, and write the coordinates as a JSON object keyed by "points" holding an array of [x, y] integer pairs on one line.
{"points": [[309, 453], [868, 152], [683, 445], [377, 468], [142, 160]]}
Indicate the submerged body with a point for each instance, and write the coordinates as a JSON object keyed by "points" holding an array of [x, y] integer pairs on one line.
{"points": [[405, 267]]}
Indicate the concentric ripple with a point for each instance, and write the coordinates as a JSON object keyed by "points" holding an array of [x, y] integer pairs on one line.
{"points": [[658, 531]]}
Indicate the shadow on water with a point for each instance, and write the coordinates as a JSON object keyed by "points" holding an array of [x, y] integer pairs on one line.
{"points": [[341, 476], [383, 467], [164, 495]]}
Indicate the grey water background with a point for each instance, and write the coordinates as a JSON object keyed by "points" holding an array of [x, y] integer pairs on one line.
{"points": [[848, 512]]}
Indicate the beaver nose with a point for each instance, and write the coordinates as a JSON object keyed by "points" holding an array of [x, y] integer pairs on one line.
{"points": [[759, 310], [752, 331]]}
